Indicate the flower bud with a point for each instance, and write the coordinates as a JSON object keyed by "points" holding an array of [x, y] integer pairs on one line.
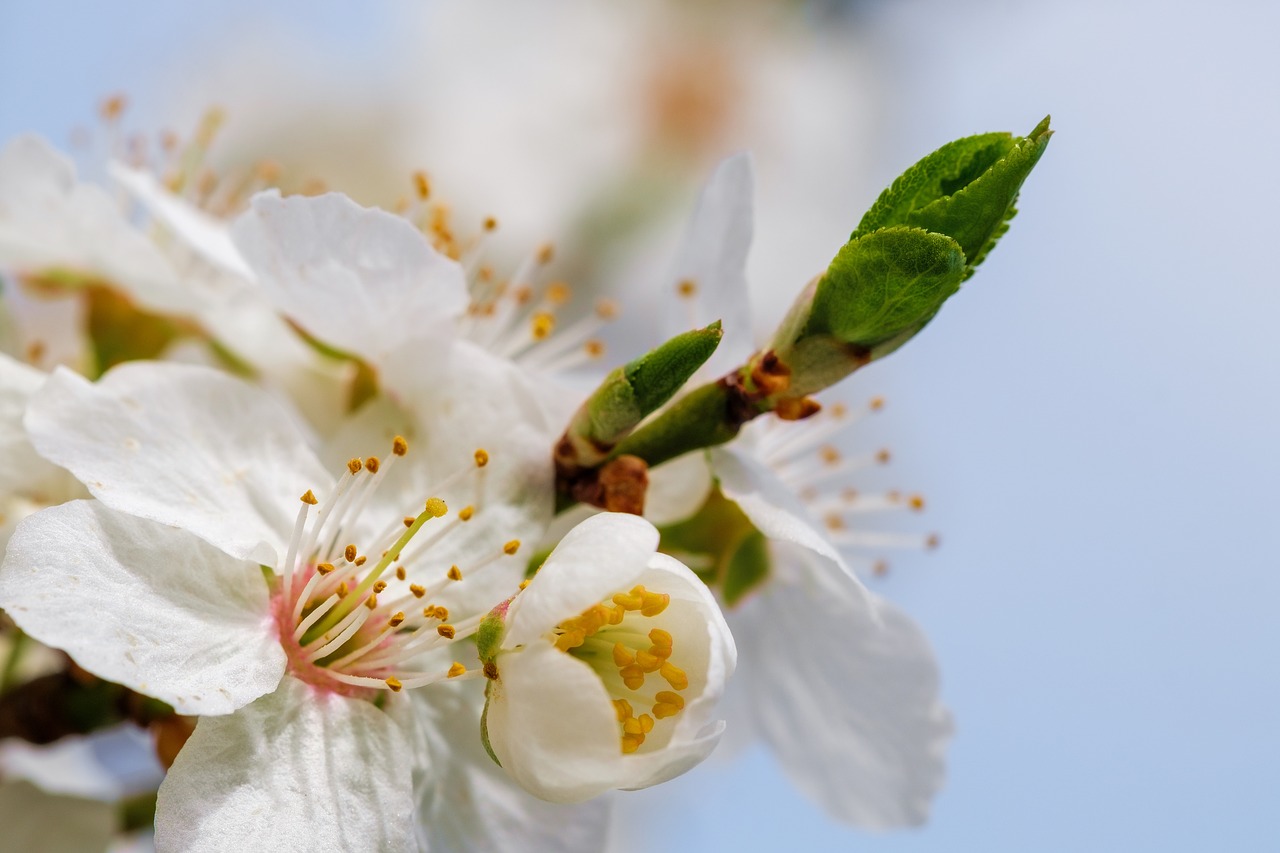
{"points": [[606, 668]]}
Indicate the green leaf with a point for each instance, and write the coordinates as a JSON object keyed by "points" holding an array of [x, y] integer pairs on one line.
{"points": [[885, 284], [966, 190]]}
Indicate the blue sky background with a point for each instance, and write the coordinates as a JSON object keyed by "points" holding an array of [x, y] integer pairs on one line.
{"points": [[1093, 418]]}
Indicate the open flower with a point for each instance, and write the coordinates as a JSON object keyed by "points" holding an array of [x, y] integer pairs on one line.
{"points": [[200, 577], [856, 724], [604, 670]]}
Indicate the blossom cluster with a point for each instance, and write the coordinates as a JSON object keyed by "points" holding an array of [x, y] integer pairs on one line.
{"points": [[322, 496]]}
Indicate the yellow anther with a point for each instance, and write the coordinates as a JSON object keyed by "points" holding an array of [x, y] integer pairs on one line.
{"points": [[417, 590], [408, 520], [422, 185], [594, 348], [654, 603], [446, 631], [350, 553], [394, 684], [545, 253], [558, 292], [458, 669], [112, 107], [606, 309], [543, 324], [623, 708], [442, 612], [372, 601], [674, 675], [399, 446], [360, 561], [482, 457], [571, 639], [490, 223], [882, 456], [372, 464], [379, 586], [466, 512], [511, 547], [931, 541], [829, 455], [632, 676], [436, 507], [396, 620], [627, 601], [877, 403], [343, 590], [324, 568], [630, 743], [660, 637], [622, 656], [648, 661], [454, 573], [662, 710], [687, 288], [669, 698], [663, 652], [616, 614], [522, 295], [632, 726], [646, 723], [310, 498], [524, 583], [354, 464], [400, 573], [916, 502]]}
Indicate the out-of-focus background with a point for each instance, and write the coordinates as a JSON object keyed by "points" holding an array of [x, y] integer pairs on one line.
{"points": [[1093, 418]]}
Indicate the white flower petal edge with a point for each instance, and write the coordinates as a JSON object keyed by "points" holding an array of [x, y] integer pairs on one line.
{"points": [[106, 765], [183, 445], [144, 605], [50, 220], [559, 716], [623, 543], [775, 510], [852, 713], [359, 279], [711, 265], [298, 770], [22, 471], [209, 237], [474, 805]]}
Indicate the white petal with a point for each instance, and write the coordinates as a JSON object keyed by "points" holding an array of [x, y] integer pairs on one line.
{"points": [[713, 255], [48, 328], [182, 445], [552, 725], [771, 505], [677, 489], [359, 279], [605, 554], [848, 700], [107, 765], [49, 220], [297, 771], [22, 470], [36, 822], [476, 806], [207, 236], [145, 605]]}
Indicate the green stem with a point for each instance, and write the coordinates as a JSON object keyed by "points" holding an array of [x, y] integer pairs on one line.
{"points": [[10, 671], [704, 418]]}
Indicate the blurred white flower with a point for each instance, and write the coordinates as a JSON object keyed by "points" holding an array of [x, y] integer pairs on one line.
{"points": [[607, 666]]}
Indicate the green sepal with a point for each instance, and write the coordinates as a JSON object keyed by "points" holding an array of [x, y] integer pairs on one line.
{"points": [[484, 725], [631, 393], [966, 190], [748, 567]]}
